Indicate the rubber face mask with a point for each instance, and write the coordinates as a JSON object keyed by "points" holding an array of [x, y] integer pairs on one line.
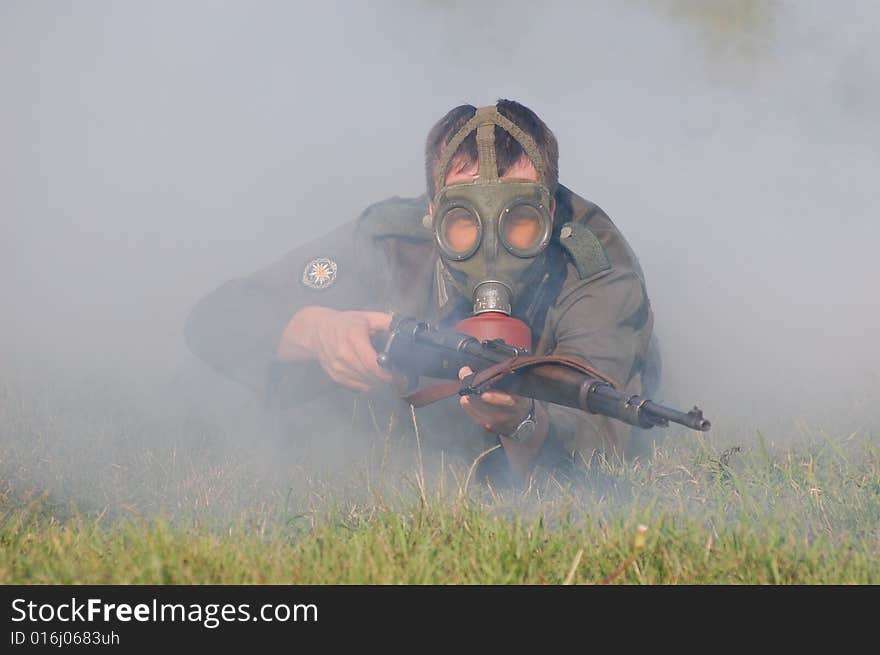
{"points": [[492, 233]]}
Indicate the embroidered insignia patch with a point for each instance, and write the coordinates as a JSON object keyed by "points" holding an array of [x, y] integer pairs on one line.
{"points": [[319, 273]]}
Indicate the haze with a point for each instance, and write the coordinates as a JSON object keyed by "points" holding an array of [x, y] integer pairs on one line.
{"points": [[151, 151]]}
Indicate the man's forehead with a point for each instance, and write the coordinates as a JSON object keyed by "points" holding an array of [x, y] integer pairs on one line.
{"points": [[466, 170]]}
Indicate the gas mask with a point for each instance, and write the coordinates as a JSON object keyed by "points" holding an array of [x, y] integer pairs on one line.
{"points": [[493, 233]]}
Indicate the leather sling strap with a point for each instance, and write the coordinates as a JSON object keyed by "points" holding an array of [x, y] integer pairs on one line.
{"points": [[487, 378]]}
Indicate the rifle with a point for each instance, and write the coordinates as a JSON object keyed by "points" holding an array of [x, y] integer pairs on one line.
{"points": [[414, 349]]}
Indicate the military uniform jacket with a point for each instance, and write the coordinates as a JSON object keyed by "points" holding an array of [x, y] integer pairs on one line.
{"points": [[592, 305]]}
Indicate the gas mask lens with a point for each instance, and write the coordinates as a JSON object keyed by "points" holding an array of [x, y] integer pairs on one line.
{"points": [[459, 232], [524, 230]]}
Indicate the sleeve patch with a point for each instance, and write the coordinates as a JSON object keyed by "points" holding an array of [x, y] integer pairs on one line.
{"points": [[319, 273]]}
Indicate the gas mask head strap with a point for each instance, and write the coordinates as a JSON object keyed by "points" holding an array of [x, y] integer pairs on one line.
{"points": [[484, 122]]}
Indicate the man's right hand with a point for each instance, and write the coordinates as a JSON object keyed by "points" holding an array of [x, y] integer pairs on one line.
{"points": [[340, 341]]}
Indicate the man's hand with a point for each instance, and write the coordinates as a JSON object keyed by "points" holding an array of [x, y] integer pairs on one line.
{"points": [[495, 411], [340, 341], [502, 413]]}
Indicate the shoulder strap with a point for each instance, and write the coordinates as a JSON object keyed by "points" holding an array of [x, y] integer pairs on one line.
{"points": [[586, 251], [397, 217]]}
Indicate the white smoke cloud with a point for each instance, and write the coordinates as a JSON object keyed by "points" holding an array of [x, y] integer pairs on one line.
{"points": [[153, 150]]}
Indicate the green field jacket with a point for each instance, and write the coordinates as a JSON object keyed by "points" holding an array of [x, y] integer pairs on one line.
{"points": [[593, 306]]}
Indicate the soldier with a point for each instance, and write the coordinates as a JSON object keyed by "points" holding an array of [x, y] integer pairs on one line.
{"points": [[494, 221]]}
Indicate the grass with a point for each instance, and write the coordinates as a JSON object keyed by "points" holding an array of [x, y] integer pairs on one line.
{"points": [[97, 487], [756, 514]]}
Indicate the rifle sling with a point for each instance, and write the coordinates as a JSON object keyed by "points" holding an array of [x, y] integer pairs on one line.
{"points": [[489, 377]]}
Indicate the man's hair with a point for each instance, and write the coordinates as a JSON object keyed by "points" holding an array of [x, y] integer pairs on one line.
{"points": [[508, 151]]}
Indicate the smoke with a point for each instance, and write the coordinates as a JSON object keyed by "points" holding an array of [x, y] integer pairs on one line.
{"points": [[153, 150]]}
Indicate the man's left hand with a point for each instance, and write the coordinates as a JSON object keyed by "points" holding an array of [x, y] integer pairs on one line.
{"points": [[495, 411]]}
